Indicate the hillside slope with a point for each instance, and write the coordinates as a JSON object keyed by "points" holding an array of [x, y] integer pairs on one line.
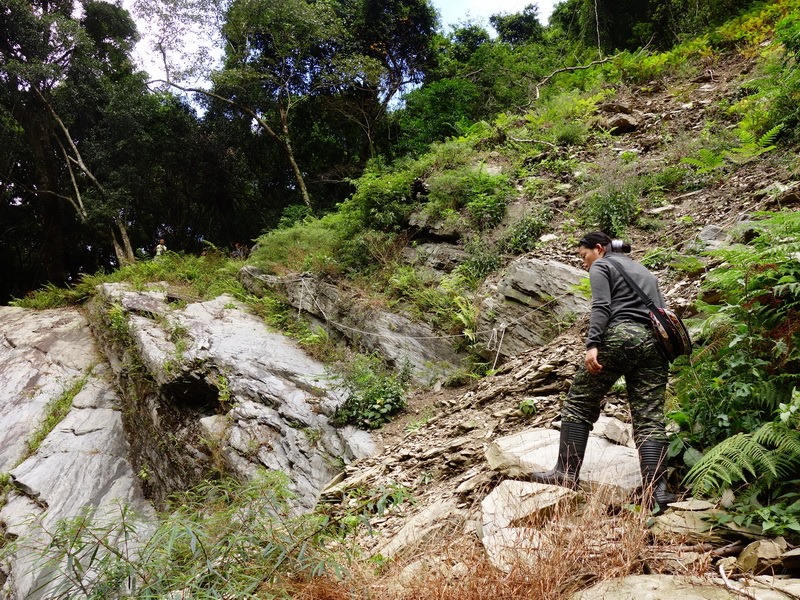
{"points": [[436, 449]]}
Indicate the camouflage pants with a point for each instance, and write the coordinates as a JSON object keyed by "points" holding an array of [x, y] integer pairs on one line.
{"points": [[628, 350]]}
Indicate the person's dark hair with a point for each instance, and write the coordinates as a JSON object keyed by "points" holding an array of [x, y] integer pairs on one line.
{"points": [[590, 240]]}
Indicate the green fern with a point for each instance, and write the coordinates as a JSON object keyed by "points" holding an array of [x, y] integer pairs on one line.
{"points": [[705, 161], [771, 452], [752, 147]]}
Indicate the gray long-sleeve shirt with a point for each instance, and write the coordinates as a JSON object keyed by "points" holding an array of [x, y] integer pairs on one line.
{"points": [[613, 300]]}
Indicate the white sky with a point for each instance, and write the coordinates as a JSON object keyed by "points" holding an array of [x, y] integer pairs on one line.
{"points": [[453, 11]]}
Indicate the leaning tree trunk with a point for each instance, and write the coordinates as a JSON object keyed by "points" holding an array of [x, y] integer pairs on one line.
{"points": [[122, 246]]}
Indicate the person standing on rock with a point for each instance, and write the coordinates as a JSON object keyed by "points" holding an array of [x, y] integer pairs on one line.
{"points": [[620, 342]]}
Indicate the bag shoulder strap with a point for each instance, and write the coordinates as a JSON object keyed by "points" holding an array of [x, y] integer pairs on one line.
{"points": [[648, 301]]}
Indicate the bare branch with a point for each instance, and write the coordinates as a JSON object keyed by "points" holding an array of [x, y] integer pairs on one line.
{"points": [[576, 68], [77, 202]]}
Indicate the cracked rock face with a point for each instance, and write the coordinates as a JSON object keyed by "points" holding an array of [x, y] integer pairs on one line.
{"points": [[223, 386], [80, 466]]}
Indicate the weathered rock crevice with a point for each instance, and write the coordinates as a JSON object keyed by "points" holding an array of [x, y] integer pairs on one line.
{"points": [[206, 387]]}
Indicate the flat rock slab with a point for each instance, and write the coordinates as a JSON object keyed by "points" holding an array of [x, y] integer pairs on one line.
{"points": [[42, 353], [669, 587], [81, 466], [609, 467]]}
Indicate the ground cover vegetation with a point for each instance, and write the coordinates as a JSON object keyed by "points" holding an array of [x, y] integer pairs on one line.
{"points": [[481, 103]]}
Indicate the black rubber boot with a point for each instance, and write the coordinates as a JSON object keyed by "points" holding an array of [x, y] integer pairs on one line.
{"points": [[571, 449], [652, 459]]}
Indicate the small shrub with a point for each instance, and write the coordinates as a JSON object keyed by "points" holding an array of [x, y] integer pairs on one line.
{"points": [[481, 193], [486, 210], [523, 235], [612, 210], [574, 133], [375, 393], [482, 260], [670, 178]]}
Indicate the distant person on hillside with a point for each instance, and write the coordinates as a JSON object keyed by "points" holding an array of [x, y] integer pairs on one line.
{"points": [[620, 342], [161, 247], [239, 251]]}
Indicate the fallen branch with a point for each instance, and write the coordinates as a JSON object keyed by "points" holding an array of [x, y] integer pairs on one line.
{"points": [[732, 587]]}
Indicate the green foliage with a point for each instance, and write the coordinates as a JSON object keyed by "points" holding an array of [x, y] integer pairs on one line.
{"points": [[705, 161], [523, 235], [437, 111], [52, 296], [613, 209], [292, 214], [482, 259], [527, 406], [482, 194], [750, 147], [571, 134], [382, 199], [769, 454], [737, 399], [306, 246], [220, 539], [374, 393], [206, 276]]}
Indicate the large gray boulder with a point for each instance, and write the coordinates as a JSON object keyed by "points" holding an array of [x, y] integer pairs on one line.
{"points": [[398, 338], [526, 307], [608, 467], [80, 467], [214, 382]]}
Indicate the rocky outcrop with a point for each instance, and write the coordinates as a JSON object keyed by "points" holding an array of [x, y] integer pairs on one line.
{"points": [[396, 337], [529, 305], [207, 386], [81, 466]]}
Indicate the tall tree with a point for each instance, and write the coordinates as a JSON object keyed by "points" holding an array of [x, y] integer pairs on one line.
{"points": [[519, 28], [46, 47]]}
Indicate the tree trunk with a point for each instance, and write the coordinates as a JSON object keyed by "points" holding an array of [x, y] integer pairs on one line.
{"points": [[287, 149], [49, 205], [122, 246]]}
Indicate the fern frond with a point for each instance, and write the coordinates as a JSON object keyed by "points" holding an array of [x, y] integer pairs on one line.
{"points": [[781, 438], [767, 396], [768, 139], [730, 461], [747, 138]]}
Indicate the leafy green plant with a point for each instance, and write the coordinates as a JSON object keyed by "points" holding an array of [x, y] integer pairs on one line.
{"points": [[523, 235], [482, 259], [527, 406], [705, 161], [736, 398], [612, 210], [222, 538], [117, 319], [374, 393], [481, 193], [574, 133]]}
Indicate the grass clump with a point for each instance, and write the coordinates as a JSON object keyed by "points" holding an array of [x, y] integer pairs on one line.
{"points": [[55, 411], [207, 276], [222, 539]]}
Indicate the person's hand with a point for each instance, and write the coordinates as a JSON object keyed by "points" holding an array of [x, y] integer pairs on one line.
{"points": [[591, 361]]}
